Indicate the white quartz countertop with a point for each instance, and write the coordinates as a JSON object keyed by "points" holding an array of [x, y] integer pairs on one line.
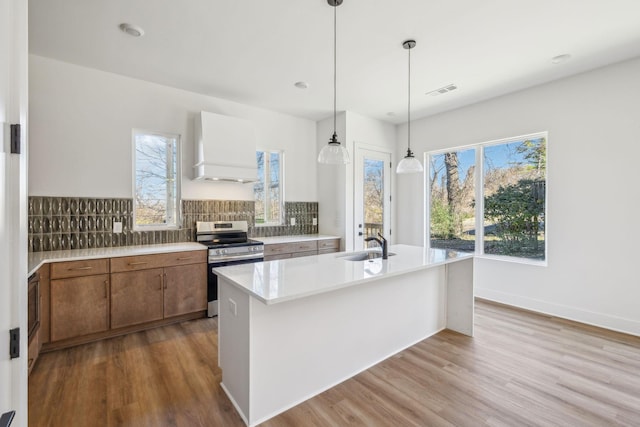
{"points": [[288, 279], [36, 259], [295, 238]]}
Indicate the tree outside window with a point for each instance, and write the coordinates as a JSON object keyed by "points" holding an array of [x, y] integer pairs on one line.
{"points": [[268, 190], [156, 180], [511, 187]]}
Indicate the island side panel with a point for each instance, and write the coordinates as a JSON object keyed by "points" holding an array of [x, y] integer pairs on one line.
{"points": [[460, 297], [300, 348], [233, 344]]}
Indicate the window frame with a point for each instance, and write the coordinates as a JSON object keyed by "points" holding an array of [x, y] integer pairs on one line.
{"points": [[178, 178], [479, 196], [281, 218]]}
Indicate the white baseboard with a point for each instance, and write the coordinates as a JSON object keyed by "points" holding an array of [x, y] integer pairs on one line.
{"points": [[619, 324]]}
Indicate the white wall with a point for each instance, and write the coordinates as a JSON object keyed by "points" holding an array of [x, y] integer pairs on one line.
{"points": [[336, 182], [332, 187], [593, 193], [81, 122]]}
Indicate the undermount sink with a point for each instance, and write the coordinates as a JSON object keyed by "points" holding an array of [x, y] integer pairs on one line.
{"points": [[363, 256]]}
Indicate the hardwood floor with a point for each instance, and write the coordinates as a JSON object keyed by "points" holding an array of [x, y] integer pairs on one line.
{"points": [[521, 369]]}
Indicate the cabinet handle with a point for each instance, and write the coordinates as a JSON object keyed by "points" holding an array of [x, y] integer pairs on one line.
{"points": [[80, 268], [161, 276], [106, 290], [165, 280], [138, 263]]}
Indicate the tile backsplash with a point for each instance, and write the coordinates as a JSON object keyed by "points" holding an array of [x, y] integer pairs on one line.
{"points": [[58, 223]]}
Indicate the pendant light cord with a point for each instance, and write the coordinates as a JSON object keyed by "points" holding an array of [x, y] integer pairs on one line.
{"points": [[335, 36], [409, 105]]}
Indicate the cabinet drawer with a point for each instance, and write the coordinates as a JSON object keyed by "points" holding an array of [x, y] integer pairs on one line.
{"points": [[279, 248], [183, 258], [283, 248], [145, 262], [301, 254], [327, 251], [311, 245], [63, 270], [329, 244], [138, 262], [276, 257]]}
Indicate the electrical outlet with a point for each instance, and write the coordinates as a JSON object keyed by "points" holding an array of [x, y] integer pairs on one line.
{"points": [[117, 227], [233, 307], [293, 221], [315, 221]]}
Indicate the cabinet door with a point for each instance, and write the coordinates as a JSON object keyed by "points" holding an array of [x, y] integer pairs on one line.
{"points": [[79, 306], [45, 317], [185, 289], [34, 348], [136, 297]]}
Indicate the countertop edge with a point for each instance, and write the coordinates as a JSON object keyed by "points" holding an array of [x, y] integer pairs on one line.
{"points": [[38, 259], [341, 285]]}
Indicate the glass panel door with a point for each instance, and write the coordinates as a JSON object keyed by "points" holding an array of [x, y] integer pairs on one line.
{"points": [[372, 195]]}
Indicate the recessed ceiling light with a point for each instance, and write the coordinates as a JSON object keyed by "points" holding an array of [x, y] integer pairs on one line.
{"points": [[560, 58], [132, 30], [301, 85]]}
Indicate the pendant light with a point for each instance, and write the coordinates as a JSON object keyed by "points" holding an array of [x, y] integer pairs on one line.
{"points": [[409, 164], [334, 153]]}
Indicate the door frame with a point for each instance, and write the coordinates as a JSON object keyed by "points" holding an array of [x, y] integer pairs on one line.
{"points": [[360, 150], [13, 206]]}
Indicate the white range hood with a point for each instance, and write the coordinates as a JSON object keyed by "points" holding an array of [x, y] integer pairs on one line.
{"points": [[225, 149]]}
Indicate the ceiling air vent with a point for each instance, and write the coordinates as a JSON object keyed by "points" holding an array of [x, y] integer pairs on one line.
{"points": [[443, 89]]}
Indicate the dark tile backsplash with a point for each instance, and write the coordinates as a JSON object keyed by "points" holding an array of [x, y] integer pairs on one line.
{"points": [[57, 223]]}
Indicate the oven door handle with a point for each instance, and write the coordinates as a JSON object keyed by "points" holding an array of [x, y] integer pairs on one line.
{"points": [[257, 256]]}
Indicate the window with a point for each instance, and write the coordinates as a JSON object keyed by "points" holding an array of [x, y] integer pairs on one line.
{"points": [[268, 190], [510, 184], [156, 159], [452, 185]]}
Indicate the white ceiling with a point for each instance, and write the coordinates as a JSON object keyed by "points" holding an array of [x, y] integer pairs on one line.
{"points": [[253, 51]]}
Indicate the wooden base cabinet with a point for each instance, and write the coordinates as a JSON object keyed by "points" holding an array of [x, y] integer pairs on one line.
{"points": [[92, 299], [136, 297], [175, 283], [303, 248], [185, 289], [79, 306], [33, 350]]}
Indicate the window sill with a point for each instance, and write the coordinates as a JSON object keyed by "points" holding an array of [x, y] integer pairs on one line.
{"points": [[532, 262], [270, 224]]}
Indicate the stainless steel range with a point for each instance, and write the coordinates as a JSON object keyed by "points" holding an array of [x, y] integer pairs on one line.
{"points": [[228, 244]]}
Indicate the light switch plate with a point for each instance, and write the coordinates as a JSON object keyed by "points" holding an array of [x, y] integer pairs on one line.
{"points": [[315, 221], [293, 221], [117, 227]]}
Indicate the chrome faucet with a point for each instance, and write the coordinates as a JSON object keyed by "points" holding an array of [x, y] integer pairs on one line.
{"points": [[382, 242]]}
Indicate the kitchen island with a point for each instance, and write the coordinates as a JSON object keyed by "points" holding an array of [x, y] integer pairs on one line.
{"points": [[290, 329]]}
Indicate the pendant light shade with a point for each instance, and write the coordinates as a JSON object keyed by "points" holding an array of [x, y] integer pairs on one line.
{"points": [[409, 164], [334, 153]]}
